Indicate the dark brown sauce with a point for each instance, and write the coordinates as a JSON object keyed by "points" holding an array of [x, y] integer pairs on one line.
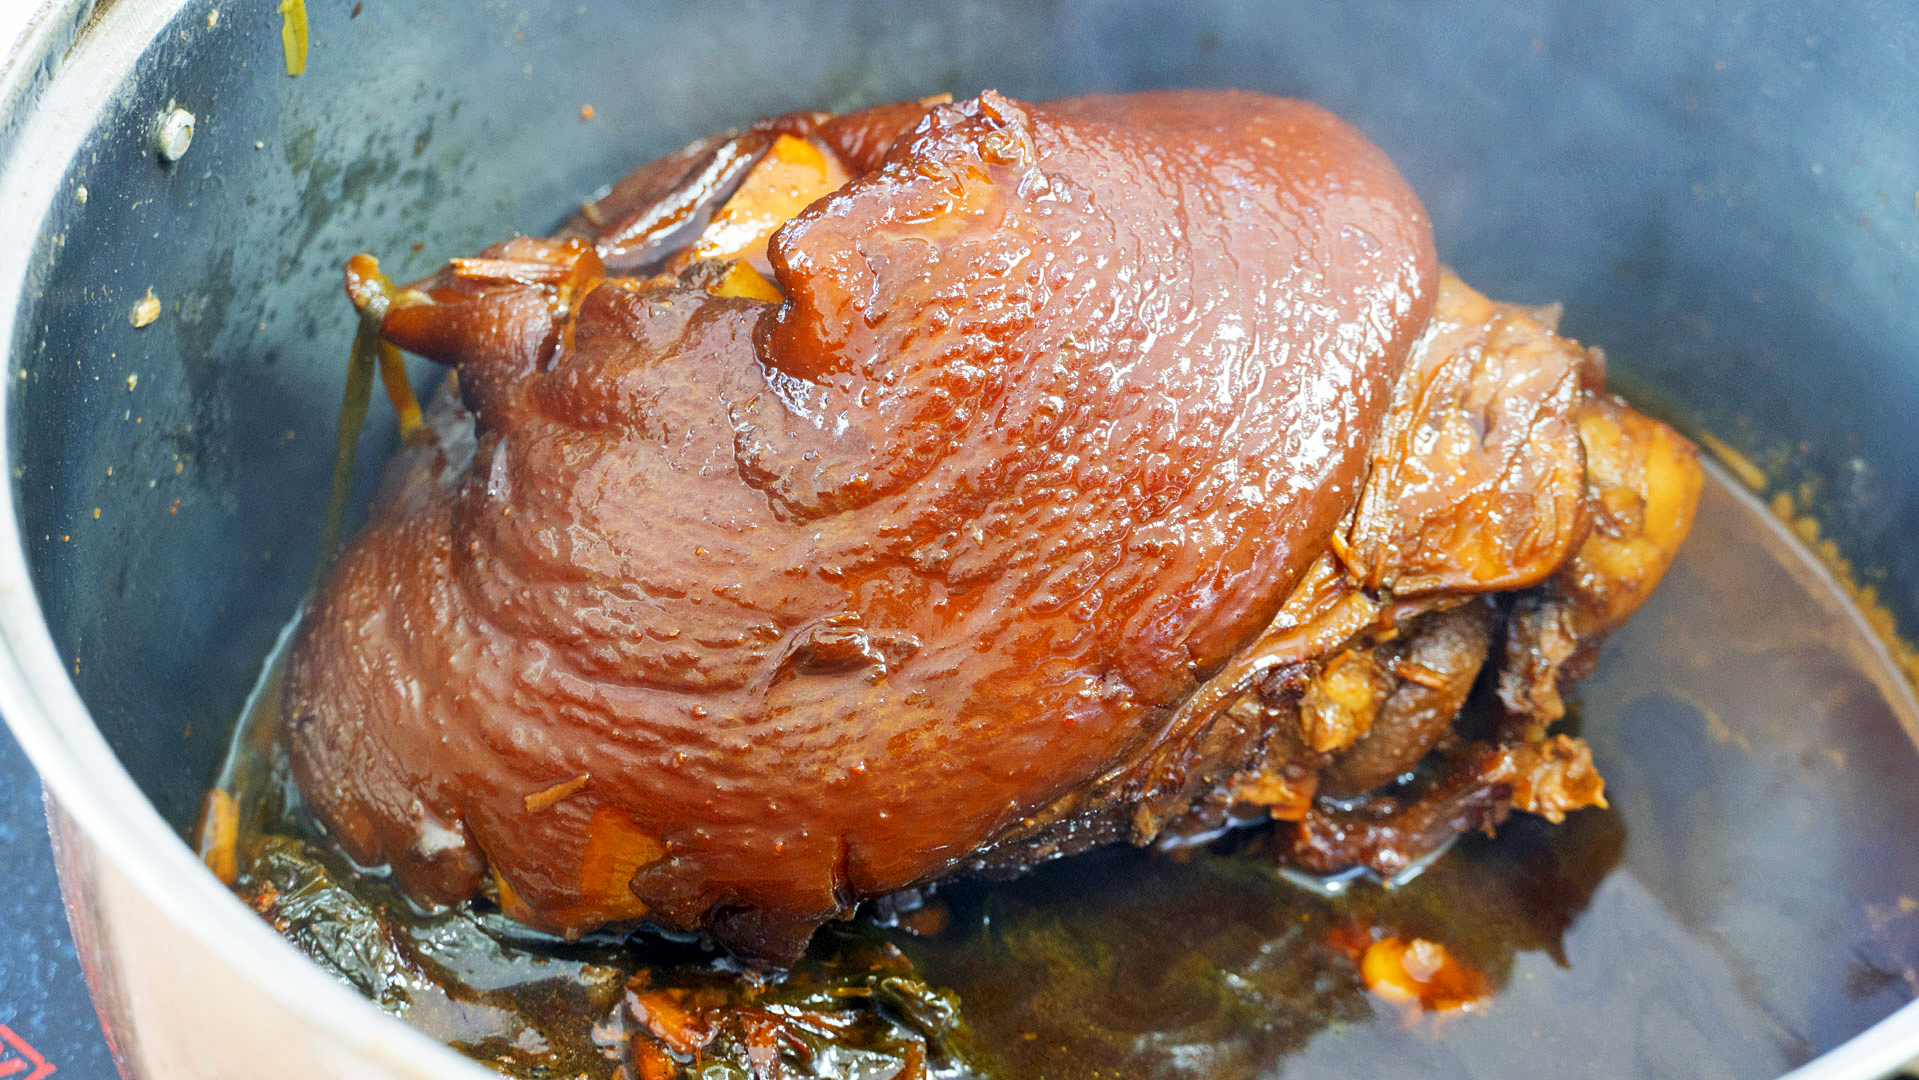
{"points": [[1751, 901]]}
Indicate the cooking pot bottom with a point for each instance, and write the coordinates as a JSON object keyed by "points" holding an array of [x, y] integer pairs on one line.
{"points": [[1746, 904], [1748, 901]]}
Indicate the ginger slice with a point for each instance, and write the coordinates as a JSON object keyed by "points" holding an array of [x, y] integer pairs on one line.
{"points": [[744, 282], [794, 174], [217, 836], [1421, 973]]}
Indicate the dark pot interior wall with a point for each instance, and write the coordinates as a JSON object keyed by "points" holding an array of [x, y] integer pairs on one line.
{"points": [[1723, 196]]}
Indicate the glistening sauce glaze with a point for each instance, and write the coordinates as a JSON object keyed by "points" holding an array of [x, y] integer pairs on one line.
{"points": [[1749, 903], [1059, 404]]}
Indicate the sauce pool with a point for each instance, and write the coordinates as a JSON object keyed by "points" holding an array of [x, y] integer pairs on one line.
{"points": [[1747, 904]]}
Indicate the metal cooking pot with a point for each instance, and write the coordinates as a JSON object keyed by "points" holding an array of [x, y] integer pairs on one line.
{"points": [[1723, 194]]}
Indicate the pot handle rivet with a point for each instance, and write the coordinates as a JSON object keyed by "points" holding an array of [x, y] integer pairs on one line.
{"points": [[174, 133]]}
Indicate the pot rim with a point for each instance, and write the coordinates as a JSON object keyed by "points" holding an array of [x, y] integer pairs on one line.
{"points": [[63, 68]]}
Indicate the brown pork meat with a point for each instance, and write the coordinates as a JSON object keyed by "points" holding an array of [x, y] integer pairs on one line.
{"points": [[857, 500]]}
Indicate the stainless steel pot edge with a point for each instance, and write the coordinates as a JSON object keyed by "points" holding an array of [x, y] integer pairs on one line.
{"points": [[92, 48], [1880, 1050], [94, 44]]}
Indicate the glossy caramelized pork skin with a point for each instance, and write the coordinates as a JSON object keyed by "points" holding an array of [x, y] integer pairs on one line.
{"points": [[953, 550], [1512, 515]]}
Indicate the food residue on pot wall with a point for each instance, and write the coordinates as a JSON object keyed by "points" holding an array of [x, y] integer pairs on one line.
{"points": [[1798, 508], [145, 310], [293, 34]]}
